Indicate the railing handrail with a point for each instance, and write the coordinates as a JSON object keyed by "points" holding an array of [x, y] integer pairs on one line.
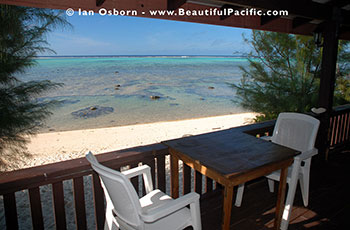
{"points": [[257, 128], [50, 173], [340, 109], [29, 180], [14, 181]]}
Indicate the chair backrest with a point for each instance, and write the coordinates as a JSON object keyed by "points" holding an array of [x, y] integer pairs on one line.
{"points": [[119, 190], [295, 130]]}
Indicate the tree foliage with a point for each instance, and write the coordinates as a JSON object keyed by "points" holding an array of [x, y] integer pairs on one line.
{"points": [[22, 37], [342, 86], [283, 74]]}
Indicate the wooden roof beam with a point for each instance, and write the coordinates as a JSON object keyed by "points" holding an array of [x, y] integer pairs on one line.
{"points": [[267, 19], [283, 25], [344, 31], [223, 17], [302, 8], [309, 9], [99, 2], [338, 3], [299, 22], [175, 4]]}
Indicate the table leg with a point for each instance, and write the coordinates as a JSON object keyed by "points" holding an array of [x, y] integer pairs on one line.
{"points": [[228, 196], [174, 176], [281, 197]]}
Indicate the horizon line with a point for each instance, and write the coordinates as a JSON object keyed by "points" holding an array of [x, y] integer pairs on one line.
{"points": [[147, 55]]}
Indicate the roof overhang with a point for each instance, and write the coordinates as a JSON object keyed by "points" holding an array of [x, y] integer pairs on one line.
{"points": [[304, 16]]}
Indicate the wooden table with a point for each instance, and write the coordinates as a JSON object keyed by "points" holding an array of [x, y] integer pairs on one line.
{"points": [[231, 157]]}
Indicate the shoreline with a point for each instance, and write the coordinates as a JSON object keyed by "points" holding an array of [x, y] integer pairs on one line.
{"points": [[146, 123], [52, 147]]}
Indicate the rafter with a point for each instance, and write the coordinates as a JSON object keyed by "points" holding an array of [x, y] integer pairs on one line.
{"points": [[299, 22], [267, 19], [223, 17], [344, 31], [282, 24], [299, 8], [99, 2], [302, 8], [338, 3], [175, 4]]}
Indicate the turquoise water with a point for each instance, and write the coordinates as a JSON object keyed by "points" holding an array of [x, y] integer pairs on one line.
{"points": [[188, 87]]}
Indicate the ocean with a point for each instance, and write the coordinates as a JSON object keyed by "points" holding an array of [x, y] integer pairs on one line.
{"points": [[108, 91]]}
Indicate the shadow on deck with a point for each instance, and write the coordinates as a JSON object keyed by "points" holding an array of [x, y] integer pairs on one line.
{"points": [[329, 201]]}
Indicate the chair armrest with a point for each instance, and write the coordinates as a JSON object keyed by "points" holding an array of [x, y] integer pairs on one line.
{"points": [[307, 154], [170, 207], [145, 170], [130, 173], [266, 138]]}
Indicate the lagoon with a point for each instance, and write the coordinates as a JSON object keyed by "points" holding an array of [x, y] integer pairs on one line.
{"points": [[139, 89]]}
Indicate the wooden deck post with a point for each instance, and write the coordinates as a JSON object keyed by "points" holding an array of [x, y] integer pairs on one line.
{"points": [[327, 82]]}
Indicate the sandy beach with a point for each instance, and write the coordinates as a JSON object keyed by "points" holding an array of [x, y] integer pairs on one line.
{"points": [[57, 146]]}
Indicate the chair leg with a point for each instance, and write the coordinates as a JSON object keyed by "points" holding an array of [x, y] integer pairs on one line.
{"points": [[271, 185], [290, 196], [113, 226], [239, 195], [304, 185], [109, 222], [195, 213]]}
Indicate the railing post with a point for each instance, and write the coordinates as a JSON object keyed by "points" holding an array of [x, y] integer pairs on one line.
{"points": [[323, 140], [36, 209], [10, 211], [99, 201]]}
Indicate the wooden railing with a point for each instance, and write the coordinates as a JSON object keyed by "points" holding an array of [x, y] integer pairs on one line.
{"points": [[55, 174], [78, 171], [339, 129]]}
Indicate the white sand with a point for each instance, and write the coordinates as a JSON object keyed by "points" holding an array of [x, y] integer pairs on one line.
{"points": [[52, 147]]}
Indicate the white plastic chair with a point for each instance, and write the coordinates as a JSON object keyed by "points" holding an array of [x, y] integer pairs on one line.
{"points": [[154, 211], [297, 131]]}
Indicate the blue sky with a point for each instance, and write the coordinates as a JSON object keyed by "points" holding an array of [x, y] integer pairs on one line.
{"points": [[116, 35]]}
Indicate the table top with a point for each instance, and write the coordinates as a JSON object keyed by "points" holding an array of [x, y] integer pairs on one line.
{"points": [[230, 152]]}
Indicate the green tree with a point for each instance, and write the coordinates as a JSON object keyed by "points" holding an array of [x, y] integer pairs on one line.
{"points": [[283, 74], [342, 86], [22, 37]]}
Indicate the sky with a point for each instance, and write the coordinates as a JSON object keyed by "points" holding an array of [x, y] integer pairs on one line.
{"points": [[123, 35]]}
